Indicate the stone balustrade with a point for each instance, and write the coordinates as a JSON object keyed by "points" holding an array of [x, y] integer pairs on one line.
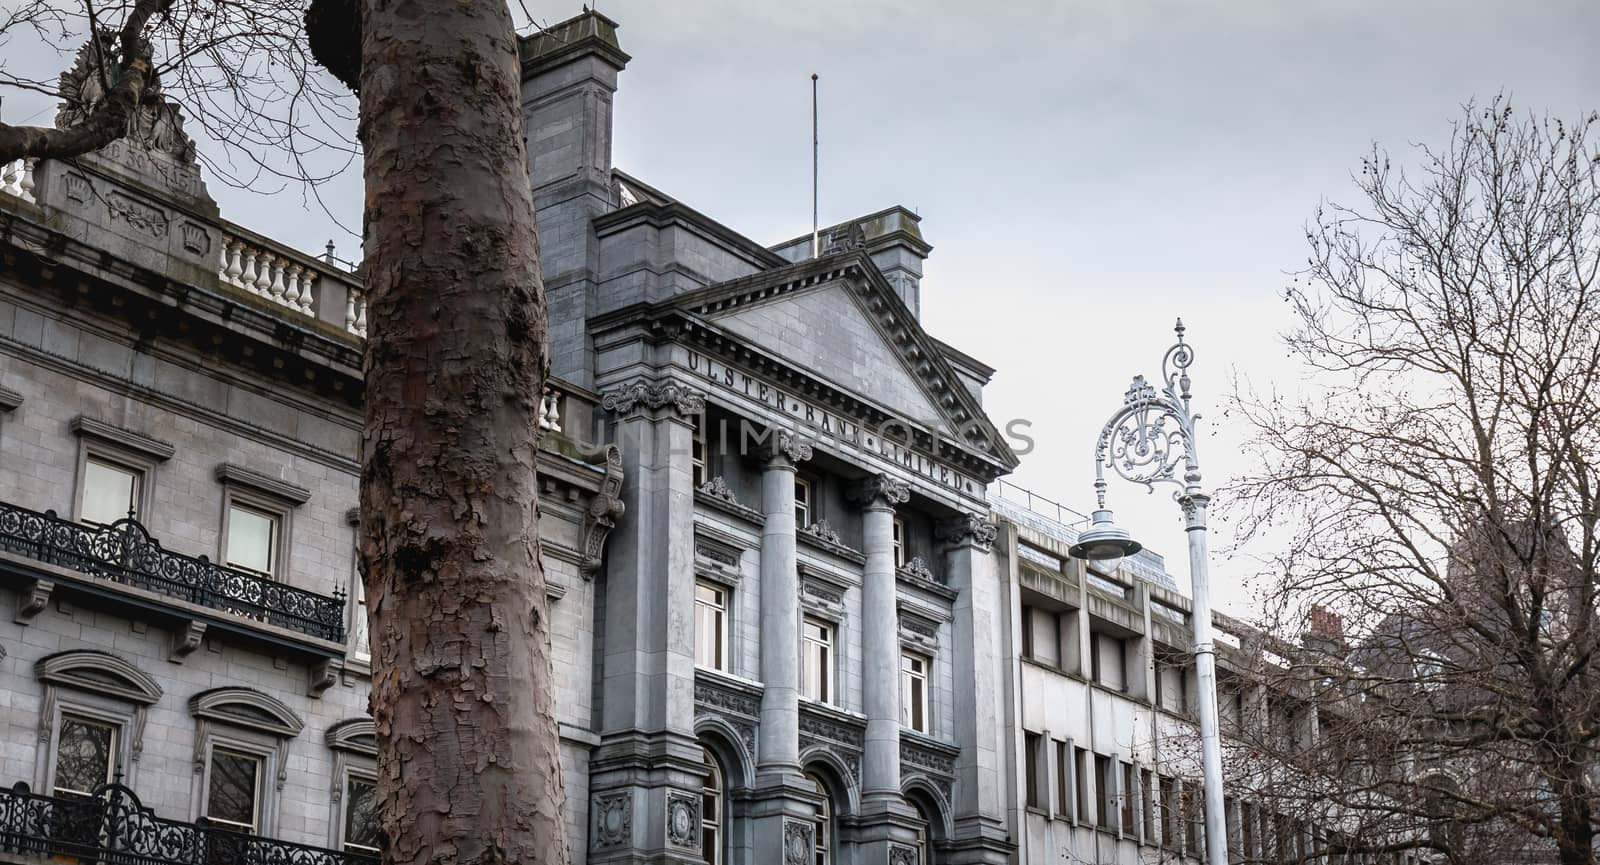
{"points": [[292, 280], [16, 179]]}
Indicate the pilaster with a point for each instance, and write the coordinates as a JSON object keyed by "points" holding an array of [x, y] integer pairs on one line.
{"points": [[980, 833], [646, 774]]}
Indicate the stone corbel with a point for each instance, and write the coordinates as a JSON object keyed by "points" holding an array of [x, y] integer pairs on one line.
{"points": [[324, 675], [32, 600], [601, 515], [9, 399], [186, 640], [967, 529]]}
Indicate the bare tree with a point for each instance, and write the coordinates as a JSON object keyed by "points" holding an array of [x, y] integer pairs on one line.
{"points": [[1439, 492], [455, 360]]}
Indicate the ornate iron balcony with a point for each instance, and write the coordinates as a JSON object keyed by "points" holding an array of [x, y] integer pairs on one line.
{"points": [[124, 553], [111, 827]]}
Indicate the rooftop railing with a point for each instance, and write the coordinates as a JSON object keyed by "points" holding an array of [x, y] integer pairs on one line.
{"points": [[112, 827], [124, 553]]}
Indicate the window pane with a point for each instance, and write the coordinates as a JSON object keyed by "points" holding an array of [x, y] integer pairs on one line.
{"points": [[360, 816], [250, 537], [109, 492], [709, 627], [231, 794], [84, 755]]}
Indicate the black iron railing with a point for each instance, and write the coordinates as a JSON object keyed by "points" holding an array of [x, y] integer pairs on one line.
{"points": [[112, 828], [124, 553]]}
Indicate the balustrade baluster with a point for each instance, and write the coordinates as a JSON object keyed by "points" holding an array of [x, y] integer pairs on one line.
{"points": [[248, 280]]}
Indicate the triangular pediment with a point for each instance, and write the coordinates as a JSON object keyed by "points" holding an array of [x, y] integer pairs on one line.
{"points": [[824, 329], [836, 318]]}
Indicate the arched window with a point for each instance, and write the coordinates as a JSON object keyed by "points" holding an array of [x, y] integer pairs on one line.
{"points": [[924, 834], [824, 821], [713, 799]]}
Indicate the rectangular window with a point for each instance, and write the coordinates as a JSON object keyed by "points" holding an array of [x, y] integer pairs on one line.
{"points": [[803, 503], [360, 816], [711, 627], [1169, 816], [1107, 800], [1080, 765], [233, 791], [817, 661], [1064, 804], [1172, 682], [1027, 632], [697, 456], [1191, 817], [1035, 789], [914, 692], [110, 492], [252, 540], [899, 542], [1129, 826], [1146, 799], [1106, 661], [86, 755]]}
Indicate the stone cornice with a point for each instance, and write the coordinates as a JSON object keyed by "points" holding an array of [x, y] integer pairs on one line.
{"points": [[229, 473], [155, 449]]}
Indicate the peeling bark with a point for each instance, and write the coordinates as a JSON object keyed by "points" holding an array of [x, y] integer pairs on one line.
{"points": [[468, 745]]}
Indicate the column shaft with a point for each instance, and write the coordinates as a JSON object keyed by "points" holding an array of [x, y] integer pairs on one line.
{"points": [[779, 748]]}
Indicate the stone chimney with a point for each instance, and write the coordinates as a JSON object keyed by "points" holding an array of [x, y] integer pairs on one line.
{"points": [[569, 73]]}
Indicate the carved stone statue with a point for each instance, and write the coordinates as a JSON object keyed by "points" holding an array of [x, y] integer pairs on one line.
{"points": [[155, 125]]}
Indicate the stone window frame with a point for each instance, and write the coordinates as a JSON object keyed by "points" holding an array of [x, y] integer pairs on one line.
{"points": [[822, 594], [99, 686], [249, 722], [125, 448], [725, 631], [252, 490], [355, 752], [831, 697], [928, 725]]}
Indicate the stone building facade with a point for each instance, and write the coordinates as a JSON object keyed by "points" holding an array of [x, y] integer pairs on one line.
{"points": [[789, 624]]}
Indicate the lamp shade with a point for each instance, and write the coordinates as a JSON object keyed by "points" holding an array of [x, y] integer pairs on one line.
{"points": [[1105, 543]]}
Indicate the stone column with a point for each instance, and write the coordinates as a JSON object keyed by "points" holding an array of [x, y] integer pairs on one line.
{"points": [[887, 826], [779, 745], [980, 806], [880, 640], [782, 803]]}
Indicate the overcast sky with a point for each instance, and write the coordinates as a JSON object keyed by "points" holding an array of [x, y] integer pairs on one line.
{"points": [[1086, 171]]}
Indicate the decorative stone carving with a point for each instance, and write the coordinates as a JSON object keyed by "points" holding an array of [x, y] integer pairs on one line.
{"points": [[900, 855], [822, 531], [604, 509], [916, 754], [683, 820], [918, 569], [879, 490], [785, 446], [323, 675], [718, 488], [827, 728], [798, 842], [967, 528], [714, 697], [196, 240], [32, 600], [613, 820], [919, 633], [155, 125], [142, 217], [186, 640], [845, 238], [642, 394]]}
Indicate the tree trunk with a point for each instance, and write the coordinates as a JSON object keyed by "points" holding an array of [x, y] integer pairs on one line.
{"points": [[468, 746]]}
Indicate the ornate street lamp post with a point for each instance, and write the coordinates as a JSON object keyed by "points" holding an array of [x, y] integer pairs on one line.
{"points": [[1146, 442]]}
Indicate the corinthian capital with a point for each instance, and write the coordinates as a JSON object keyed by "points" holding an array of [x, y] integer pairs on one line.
{"points": [[974, 529], [643, 394], [879, 490], [785, 447]]}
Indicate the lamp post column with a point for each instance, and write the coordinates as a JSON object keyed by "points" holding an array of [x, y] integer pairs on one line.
{"points": [[1194, 504]]}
